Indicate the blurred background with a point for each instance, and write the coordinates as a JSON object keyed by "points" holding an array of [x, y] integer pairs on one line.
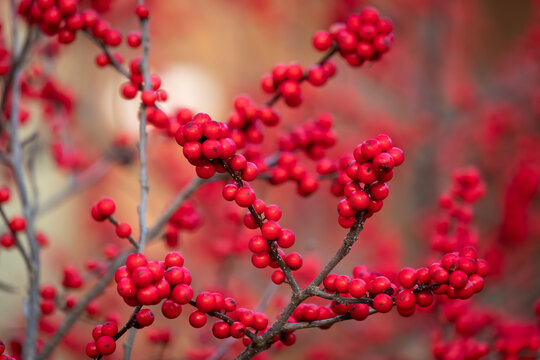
{"points": [[459, 88]]}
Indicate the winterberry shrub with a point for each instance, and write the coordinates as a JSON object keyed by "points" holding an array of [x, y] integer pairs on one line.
{"points": [[252, 234]]}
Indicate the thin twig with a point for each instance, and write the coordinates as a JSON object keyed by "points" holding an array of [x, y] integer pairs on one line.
{"points": [[83, 302], [113, 221], [182, 196], [263, 303], [81, 181], [18, 244], [343, 250], [258, 219], [108, 53], [143, 172], [128, 325]]}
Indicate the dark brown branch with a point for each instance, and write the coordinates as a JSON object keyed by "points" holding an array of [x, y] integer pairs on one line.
{"points": [[258, 219], [346, 246], [113, 221], [110, 56], [128, 325]]}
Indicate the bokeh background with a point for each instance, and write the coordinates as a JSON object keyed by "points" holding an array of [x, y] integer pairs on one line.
{"points": [[458, 88]]}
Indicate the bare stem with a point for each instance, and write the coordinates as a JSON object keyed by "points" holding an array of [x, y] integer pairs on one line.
{"points": [[79, 182], [182, 196], [343, 250], [143, 171]]}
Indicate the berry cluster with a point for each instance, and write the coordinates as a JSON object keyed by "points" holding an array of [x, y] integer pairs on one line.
{"points": [[204, 141], [143, 282], [104, 210], [72, 277], [512, 338], [365, 180], [288, 168], [243, 121], [454, 229], [61, 18], [129, 90], [48, 297], [312, 137], [104, 340], [363, 37], [286, 80], [236, 323], [457, 275], [186, 217]]}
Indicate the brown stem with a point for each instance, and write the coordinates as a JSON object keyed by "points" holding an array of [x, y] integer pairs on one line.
{"points": [[258, 219], [113, 221], [128, 325]]}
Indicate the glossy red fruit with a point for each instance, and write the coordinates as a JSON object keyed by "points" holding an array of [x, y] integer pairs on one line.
{"points": [[105, 345]]}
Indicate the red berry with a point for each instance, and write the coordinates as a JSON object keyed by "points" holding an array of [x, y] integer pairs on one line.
{"points": [[197, 319], [237, 330], [397, 155], [148, 97], [382, 303], [405, 300], [271, 230], [342, 283], [134, 39], [205, 302], [106, 207], [145, 317], [260, 260], [142, 11], [148, 295], [294, 261], [4, 194], [278, 277], [135, 260], [170, 309], [174, 258], [174, 275], [17, 223], [110, 328], [221, 330], [91, 350], [182, 293], [105, 345], [359, 311], [123, 230], [370, 148], [141, 276], [458, 279], [286, 238], [357, 288], [244, 197]]}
